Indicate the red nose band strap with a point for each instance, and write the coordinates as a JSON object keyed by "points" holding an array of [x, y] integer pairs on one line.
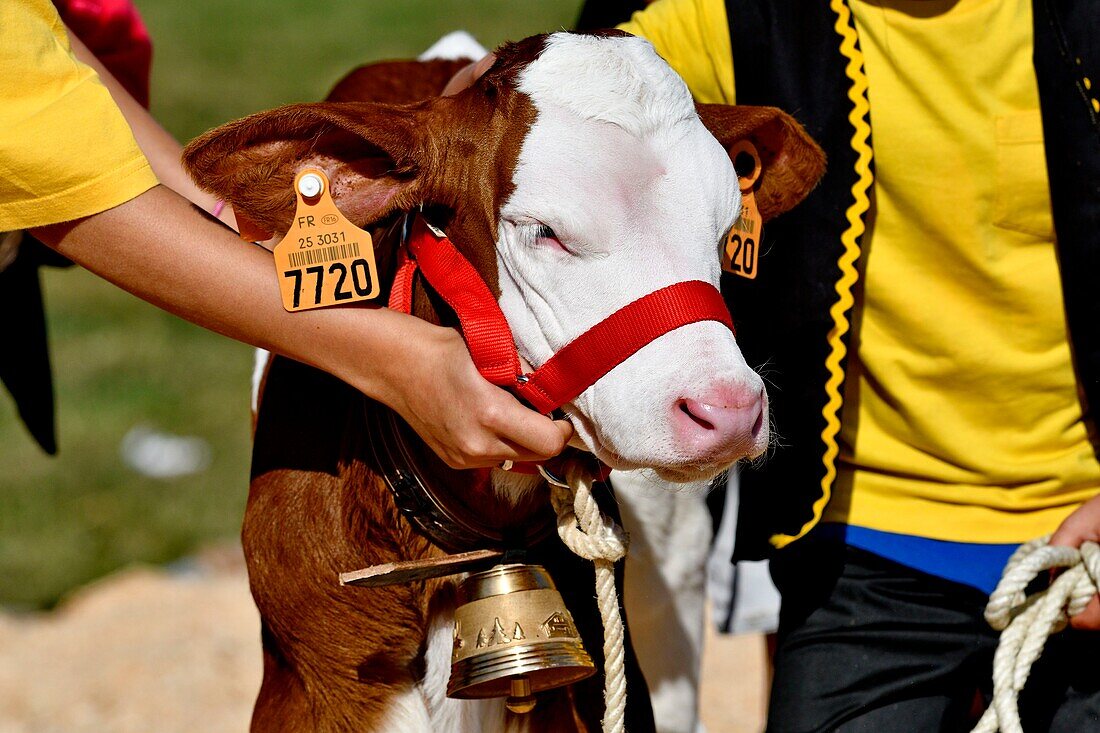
{"points": [[584, 360], [578, 364]]}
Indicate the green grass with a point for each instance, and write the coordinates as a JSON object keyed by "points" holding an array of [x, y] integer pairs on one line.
{"points": [[119, 362], [219, 61]]}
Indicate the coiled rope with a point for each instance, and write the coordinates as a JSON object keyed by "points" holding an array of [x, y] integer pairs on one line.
{"points": [[1025, 622], [591, 534]]}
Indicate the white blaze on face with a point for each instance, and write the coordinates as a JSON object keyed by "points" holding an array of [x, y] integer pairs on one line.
{"points": [[638, 195]]}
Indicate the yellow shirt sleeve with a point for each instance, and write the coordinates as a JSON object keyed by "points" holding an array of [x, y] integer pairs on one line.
{"points": [[693, 37], [65, 148]]}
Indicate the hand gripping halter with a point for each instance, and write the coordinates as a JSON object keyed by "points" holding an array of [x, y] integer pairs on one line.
{"points": [[581, 362]]}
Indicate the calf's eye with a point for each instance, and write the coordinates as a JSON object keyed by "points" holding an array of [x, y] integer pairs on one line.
{"points": [[547, 237], [544, 232]]}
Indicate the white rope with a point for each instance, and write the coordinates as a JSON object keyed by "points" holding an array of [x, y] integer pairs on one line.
{"points": [[591, 534], [1026, 622]]}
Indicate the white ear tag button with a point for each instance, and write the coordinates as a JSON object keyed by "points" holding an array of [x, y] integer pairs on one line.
{"points": [[310, 185]]}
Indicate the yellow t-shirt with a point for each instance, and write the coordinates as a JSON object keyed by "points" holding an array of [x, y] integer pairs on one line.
{"points": [[65, 149], [961, 418]]}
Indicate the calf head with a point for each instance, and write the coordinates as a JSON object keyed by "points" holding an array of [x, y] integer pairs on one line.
{"points": [[577, 175]]}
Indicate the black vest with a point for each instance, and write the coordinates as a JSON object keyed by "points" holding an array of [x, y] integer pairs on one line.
{"points": [[794, 318]]}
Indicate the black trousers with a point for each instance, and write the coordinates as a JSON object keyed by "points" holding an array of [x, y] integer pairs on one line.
{"points": [[870, 646]]}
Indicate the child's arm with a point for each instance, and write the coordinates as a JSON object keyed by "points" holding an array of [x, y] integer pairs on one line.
{"points": [[159, 248]]}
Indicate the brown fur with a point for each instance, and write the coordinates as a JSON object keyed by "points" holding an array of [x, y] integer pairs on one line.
{"points": [[792, 163], [396, 82], [334, 657]]}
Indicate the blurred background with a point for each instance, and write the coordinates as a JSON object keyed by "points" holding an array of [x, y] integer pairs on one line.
{"points": [[130, 375]]}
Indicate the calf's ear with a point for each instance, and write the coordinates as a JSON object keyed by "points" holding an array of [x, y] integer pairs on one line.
{"points": [[373, 154], [792, 163]]}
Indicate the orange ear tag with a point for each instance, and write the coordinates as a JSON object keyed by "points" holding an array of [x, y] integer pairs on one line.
{"points": [[743, 242], [324, 259]]}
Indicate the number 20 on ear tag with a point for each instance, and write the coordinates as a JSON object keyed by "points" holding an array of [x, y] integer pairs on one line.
{"points": [[743, 242], [324, 259]]}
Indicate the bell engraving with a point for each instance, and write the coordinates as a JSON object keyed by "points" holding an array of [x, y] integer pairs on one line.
{"points": [[498, 635], [558, 625], [493, 663]]}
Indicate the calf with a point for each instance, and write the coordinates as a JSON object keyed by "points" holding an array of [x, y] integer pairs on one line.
{"points": [[576, 176]]}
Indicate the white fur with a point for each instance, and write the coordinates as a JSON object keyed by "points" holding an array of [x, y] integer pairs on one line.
{"points": [[670, 533], [460, 716], [664, 596], [640, 194], [260, 359], [407, 713], [426, 707], [453, 46], [616, 80]]}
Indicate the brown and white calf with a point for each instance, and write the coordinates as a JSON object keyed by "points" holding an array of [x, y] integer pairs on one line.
{"points": [[576, 175]]}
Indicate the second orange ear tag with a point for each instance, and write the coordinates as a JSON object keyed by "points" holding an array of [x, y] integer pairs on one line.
{"points": [[324, 259], [742, 249]]}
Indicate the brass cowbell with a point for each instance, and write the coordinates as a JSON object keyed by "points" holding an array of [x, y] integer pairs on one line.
{"points": [[514, 636]]}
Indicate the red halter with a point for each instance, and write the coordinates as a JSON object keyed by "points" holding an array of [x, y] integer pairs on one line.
{"points": [[581, 362]]}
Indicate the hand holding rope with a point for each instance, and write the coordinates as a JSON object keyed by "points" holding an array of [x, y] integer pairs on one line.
{"points": [[1026, 622]]}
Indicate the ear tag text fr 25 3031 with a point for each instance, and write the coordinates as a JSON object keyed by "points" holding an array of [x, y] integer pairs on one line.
{"points": [[741, 253], [324, 259]]}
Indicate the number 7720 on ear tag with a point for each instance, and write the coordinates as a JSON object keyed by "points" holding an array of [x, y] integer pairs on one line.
{"points": [[324, 259]]}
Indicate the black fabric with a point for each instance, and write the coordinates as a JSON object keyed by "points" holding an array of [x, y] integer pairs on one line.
{"points": [[25, 363], [597, 14], [786, 53], [870, 646], [1067, 50]]}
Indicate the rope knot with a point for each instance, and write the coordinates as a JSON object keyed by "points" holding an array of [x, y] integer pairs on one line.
{"points": [[584, 529], [1026, 622]]}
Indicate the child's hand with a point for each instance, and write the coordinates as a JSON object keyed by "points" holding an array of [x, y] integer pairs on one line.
{"points": [[430, 379], [1082, 526], [160, 248]]}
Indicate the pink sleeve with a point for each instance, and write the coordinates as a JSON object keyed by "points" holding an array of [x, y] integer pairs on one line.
{"points": [[113, 31]]}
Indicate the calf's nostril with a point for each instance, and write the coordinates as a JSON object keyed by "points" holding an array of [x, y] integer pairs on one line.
{"points": [[699, 419], [759, 424]]}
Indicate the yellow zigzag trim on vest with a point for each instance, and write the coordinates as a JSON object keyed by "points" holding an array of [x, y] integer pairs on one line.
{"points": [[849, 48]]}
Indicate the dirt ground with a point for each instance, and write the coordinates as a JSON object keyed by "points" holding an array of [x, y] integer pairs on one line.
{"points": [[178, 651]]}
